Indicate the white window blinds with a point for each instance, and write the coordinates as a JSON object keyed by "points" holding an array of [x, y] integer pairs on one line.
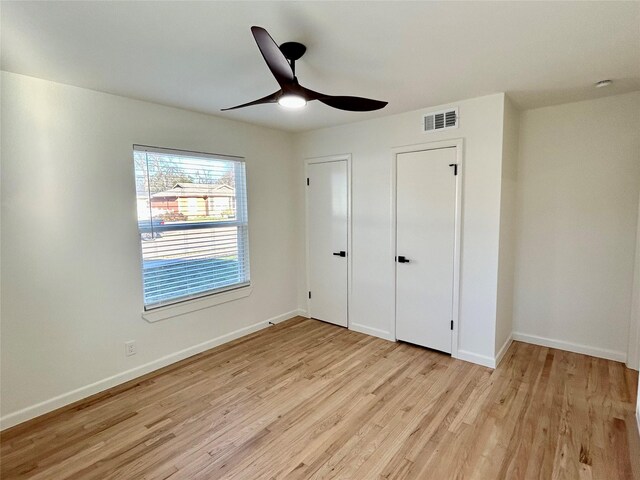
{"points": [[192, 219]]}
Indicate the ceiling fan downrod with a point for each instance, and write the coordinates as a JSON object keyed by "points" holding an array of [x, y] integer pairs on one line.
{"points": [[293, 51]]}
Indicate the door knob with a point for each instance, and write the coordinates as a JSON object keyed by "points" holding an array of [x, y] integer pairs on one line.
{"points": [[402, 259], [341, 253]]}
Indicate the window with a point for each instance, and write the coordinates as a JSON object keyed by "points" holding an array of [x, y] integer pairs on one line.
{"points": [[192, 219]]}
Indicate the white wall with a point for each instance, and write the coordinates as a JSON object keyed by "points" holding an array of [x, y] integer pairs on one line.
{"points": [[633, 360], [633, 354], [506, 260], [370, 143], [71, 276], [578, 186]]}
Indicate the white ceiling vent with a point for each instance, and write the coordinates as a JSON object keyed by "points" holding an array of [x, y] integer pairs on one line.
{"points": [[432, 122]]}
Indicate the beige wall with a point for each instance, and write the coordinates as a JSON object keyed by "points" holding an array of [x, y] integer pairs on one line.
{"points": [[71, 279], [578, 186]]}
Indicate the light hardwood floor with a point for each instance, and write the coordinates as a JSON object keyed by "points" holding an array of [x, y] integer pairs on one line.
{"points": [[305, 399]]}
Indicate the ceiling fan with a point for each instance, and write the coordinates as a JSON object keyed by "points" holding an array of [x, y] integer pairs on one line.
{"points": [[282, 63]]}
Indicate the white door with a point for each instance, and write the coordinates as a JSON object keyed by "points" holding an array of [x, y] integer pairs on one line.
{"points": [[327, 227], [425, 236]]}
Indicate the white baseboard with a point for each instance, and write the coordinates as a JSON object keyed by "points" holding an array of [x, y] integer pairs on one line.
{"points": [[571, 347], [503, 350], [375, 332], [46, 406], [286, 316], [483, 360]]}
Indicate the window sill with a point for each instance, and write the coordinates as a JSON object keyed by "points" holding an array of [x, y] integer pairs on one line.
{"points": [[170, 311]]}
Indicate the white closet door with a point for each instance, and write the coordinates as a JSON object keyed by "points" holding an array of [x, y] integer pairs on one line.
{"points": [[426, 195], [327, 227]]}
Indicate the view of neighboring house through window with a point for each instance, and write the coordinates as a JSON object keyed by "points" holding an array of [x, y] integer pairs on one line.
{"points": [[192, 218]]}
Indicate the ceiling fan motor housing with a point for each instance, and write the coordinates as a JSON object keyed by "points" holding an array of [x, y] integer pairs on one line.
{"points": [[293, 50]]}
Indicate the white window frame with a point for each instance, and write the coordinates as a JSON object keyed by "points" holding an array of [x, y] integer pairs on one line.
{"points": [[187, 304]]}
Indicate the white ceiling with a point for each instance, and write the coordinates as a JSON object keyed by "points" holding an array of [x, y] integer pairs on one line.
{"points": [[201, 55]]}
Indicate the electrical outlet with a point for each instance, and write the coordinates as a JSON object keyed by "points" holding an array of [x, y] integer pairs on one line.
{"points": [[130, 348]]}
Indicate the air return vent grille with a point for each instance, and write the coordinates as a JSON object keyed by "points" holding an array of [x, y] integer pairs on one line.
{"points": [[435, 121]]}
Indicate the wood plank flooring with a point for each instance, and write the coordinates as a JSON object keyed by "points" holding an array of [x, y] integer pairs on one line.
{"points": [[307, 400]]}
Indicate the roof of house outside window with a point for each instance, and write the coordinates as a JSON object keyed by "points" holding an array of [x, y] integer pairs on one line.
{"points": [[197, 190]]}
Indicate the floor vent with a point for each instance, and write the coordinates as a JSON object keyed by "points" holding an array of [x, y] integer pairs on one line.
{"points": [[443, 120]]}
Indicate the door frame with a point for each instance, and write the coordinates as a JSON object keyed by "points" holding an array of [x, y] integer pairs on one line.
{"points": [[458, 144], [328, 159]]}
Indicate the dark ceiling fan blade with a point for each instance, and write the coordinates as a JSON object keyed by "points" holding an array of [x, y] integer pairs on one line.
{"points": [[353, 104], [276, 61], [273, 98]]}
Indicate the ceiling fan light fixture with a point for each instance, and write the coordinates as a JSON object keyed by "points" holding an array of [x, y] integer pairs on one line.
{"points": [[292, 101]]}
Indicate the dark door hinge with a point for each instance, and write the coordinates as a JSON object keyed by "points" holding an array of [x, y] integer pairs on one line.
{"points": [[451, 324], [309, 294], [455, 168], [307, 181]]}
